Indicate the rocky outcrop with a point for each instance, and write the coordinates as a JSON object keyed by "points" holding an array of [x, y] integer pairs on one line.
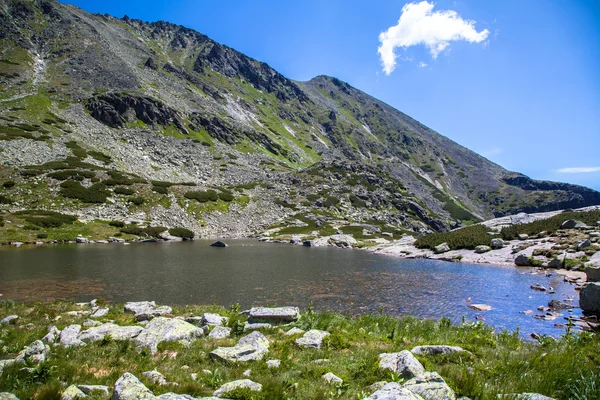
{"points": [[589, 298], [403, 363], [128, 387]]}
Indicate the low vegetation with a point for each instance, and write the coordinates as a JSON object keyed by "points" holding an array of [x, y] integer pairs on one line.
{"points": [[465, 238], [551, 224], [498, 363]]}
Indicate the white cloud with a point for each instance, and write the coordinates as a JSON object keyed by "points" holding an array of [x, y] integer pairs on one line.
{"points": [[421, 65], [577, 170], [419, 24]]}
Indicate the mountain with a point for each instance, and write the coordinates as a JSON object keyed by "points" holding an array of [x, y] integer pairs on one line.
{"points": [[122, 120]]}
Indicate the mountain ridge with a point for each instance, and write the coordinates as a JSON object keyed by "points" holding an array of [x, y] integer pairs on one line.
{"points": [[158, 101]]}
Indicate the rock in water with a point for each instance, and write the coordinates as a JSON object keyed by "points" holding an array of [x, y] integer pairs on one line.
{"points": [[431, 350], [218, 243], [430, 386], [402, 363], [128, 387], [589, 298], [312, 339], [162, 329], [480, 307], [239, 384], [393, 391], [273, 315]]}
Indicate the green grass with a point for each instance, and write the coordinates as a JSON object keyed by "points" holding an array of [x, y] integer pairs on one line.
{"points": [[499, 363]]}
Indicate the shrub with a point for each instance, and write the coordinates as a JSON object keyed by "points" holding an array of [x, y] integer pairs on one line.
{"points": [[77, 150], [202, 196], [117, 224], [285, 204], [9, 184], [46, 219], [70, 173], [182, 233], [100, 157], [356, 202], [226, 196], [124, 190], [117, 178], [132, 230], [154, 231], [74, 190], [42, 235], [1, 221], [162, 184], [464, 238], [160, 189], [4, 200], [331, 201], [138, 201]]}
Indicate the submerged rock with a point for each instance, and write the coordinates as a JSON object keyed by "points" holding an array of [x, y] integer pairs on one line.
{"points": [[403, 363], [219, 243], [162, 329]]}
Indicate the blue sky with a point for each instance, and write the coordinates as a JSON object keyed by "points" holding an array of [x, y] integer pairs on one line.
{"points": [[521, 85]]}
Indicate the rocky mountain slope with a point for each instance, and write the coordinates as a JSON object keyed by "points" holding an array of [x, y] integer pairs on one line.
{"points": [[121, 120]]}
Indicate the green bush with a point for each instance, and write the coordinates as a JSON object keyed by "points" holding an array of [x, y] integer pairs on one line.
{"points": [[73, 190], [77, 150], [226, 196], [124, 190], [4, 200], [138, 201], [154, 231], [70, 173], [162, 183], [117, 224], [182, 233], [285, 204], [202, 196], [46, 219], [161, 189], [356, 202], [9, 184], [42, 235], [1, 221], [132, 230], [100, 157], [331, 201], [464, 238]]}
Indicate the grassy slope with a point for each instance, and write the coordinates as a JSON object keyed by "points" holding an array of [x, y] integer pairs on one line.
{"points": [[500, 363]]}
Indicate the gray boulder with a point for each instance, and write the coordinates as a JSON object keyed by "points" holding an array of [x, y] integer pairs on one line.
{"points": [[100, 312], [593, 273], [273, 315], [521, 260], [8, 396], [116, 332], [250, 348], [256, 326], [36, 353], [214, 319], [497, 243], [162, 329], [441, 248], [72, 393], [573, 224], [330, 377], [482, 249], [146, 310], [393, 391], [8, 320], [220, 332], [430, 386], [584, 244], [589, 298], [128, 387], [312, 339], [403, 363], [431, 350], [239, 384], [219, 243], [69, 336], [52, 335]]}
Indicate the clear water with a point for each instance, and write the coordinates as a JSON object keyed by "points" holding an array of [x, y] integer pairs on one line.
{"points": [[254, 273]]}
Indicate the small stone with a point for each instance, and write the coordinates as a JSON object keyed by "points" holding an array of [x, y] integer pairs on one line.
{"points": [[155, 377], [128, 387], [482, 249], [52, 335], [248, 327], [538, 287], [214, 319], [9, 320], [274, 314], [431, 350], [72, 393], [441, 248], [239, 384], [430, 385], [101, 312], [312, 339], [523, 236], [497, 243], [251, 347], [220, 332], [584, 244], [247, 373], [87, 389], [294, 331], [331, 378], [273, 363]]}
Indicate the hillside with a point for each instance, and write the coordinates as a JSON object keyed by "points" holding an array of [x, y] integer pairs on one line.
{"points": [[121, 120]]}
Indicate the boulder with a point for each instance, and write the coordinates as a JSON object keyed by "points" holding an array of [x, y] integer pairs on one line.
{"points": [[8, 396], [256, 326], [239, 384], [431, 350], [441, 248], [592, 273], [251, 347], [87, 389], [69, 336], [497, 243], [273, 314], [538, 287], [52, 335], [8, 320], [36, 353], [155, 377], [146, 310], [128, 387], [116, 332], [554, 263], [162, 329], [72, 393], [312, 339], [332, 378], [219, 243], [521, 260], [220, 332], [214, 319], [482, 249], [393, 391], [403, 363], [430, 386], [573, 224], [100, 312], [343, 240], [559, 305], [523, 236], [589, 298], [584, 244]]}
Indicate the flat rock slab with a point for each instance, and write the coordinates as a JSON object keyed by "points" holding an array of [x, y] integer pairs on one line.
{"points": [[101, 312], [146, 310], [251, 347], [432, 350], [129, 387], [69, 336], [403, 363], [312, 339], [220, 332], [239, 384], [273, 315], [430, 386], [393, 391], [116, 332], [162, 329], [214, 319]]}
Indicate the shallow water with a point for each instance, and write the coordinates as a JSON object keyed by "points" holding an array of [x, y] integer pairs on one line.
{"points": [[254, 273]]}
